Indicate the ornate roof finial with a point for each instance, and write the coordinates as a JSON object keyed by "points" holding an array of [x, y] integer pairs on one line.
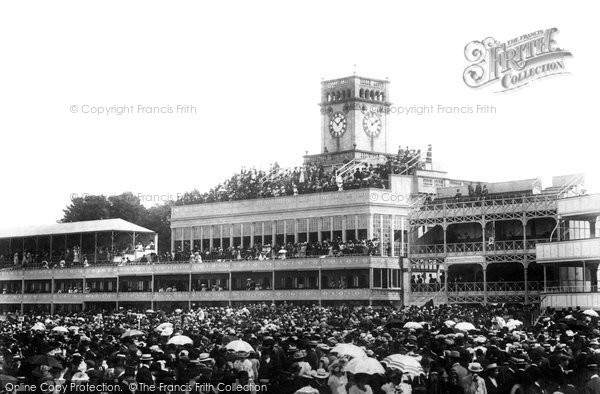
{"points": [[354, 69]]}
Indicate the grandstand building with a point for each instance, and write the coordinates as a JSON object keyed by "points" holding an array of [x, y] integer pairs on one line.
{"points": [[517, 243], [356, 225]]}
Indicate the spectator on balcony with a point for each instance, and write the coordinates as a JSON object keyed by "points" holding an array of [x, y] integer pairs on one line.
{"points": [[458, 195], [478, 190], [432, 280], [282, 253], [16, 259], [419, 279], [471, 190]]}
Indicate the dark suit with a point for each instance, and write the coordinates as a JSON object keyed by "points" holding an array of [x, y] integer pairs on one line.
{"points": [[458, 373], [144, 380], [593, 386], [490, 386]]}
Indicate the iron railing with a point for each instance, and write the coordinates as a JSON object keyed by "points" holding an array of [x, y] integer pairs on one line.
{"points": [[492, 287]]}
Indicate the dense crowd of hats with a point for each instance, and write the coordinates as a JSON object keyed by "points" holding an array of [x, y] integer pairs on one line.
{"points": [[290, 250], [310, 349], [308, 178]]}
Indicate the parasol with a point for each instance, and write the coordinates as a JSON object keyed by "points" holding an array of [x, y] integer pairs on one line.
{"points": [[348, 349], [239, 346], [180, 340], [366, 365], [464, 326], [132, 333], [407, 364]]}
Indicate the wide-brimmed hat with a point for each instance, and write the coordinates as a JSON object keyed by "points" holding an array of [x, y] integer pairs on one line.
{"points": [[324, 347], [204, 357], [146, 357], [300, 354], [454, 354], [491, 366], [475, 367], [320, 374]]}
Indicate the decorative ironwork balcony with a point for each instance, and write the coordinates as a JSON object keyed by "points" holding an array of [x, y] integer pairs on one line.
{"points": [[477, 287]]}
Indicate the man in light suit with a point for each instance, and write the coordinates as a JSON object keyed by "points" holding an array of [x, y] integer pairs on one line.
{"points": [[473, 383]]}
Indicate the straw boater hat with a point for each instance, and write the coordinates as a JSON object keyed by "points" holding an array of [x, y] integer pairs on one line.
{"points": [[475, 367], [320, 374], [146, 357], [299, 354]]}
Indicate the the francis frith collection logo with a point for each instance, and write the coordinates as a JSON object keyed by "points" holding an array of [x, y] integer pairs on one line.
{"points": [[514, 63]]}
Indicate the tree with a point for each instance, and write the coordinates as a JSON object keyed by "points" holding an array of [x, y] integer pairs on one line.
{"points": [[87, 208], [125, 206]]}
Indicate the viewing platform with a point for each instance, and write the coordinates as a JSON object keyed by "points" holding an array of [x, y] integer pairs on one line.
{"points": [[476, 292], [362, 279]]}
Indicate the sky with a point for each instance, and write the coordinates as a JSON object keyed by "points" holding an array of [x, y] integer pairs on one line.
{"points": [[252, 71]]}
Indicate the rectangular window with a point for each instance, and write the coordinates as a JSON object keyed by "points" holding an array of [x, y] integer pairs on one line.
{"points": [[290, 226], [377, 278], [326, 223], [279, 226], [302, 225], [337, 223]]}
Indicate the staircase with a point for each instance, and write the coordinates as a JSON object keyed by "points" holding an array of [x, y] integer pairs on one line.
{"points": [[411, 164], [570, 188], [352, 165]]}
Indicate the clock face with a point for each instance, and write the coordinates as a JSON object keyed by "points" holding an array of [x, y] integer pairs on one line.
{"points": [[337, 124], [372, 124]]}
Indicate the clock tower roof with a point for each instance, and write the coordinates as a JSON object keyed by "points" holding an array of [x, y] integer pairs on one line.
{"points": [[355, 88]]}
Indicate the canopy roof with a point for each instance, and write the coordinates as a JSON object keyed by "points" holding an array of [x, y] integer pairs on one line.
{"points": [[89, 226]]}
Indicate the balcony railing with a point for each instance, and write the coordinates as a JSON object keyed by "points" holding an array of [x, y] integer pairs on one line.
{"points": [[487, 203], [469, 248], [492, 287], [373, 252], [474, 247], [578, 288]]}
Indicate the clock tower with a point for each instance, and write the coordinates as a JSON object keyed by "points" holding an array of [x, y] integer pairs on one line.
{"points": [[354, 114]]}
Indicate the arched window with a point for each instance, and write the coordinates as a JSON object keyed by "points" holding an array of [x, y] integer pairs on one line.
{"points": [[372, 95], [361, 93], [348, 93], [367, 93], [337, 96], [343, 94], [328, 96], [382, 96]]}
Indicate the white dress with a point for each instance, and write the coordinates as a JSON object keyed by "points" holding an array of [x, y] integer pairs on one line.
{"points": [[337, 384]]}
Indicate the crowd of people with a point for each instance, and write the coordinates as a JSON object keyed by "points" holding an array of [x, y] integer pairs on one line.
{"points": [[308, 178], [304, 349], [74, 256], [336, 248]]}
